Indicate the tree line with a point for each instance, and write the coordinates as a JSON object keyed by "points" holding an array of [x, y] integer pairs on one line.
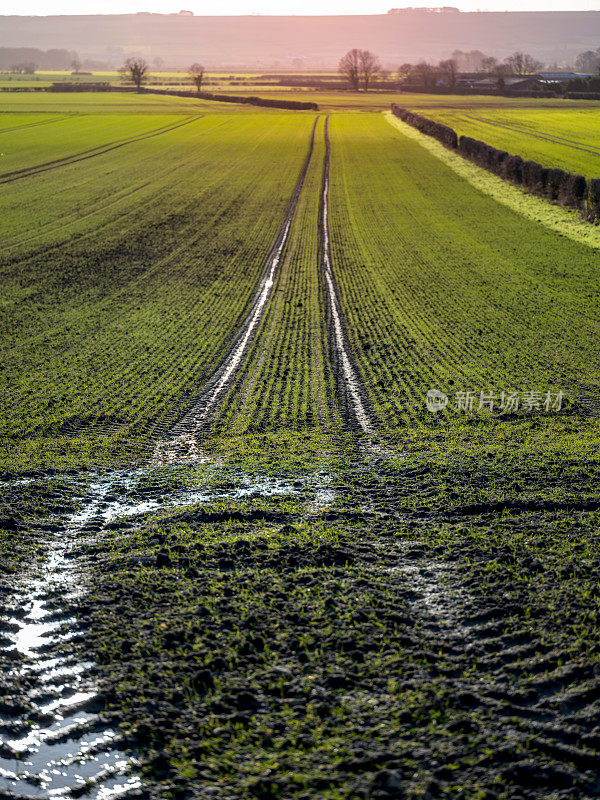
{"points": [[361, 67], [26, 60]]}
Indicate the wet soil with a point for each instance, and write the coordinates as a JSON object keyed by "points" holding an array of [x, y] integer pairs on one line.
{"points": [[324, 637]]}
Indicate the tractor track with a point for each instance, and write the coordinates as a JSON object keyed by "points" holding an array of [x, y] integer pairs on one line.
{"points": [[350, 387], [180, 440]]}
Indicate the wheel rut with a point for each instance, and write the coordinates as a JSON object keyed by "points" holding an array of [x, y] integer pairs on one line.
{"points": [[180, 442], [351, 392]]}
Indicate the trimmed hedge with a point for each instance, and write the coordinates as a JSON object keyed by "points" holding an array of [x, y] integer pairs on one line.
{"points": [[552, 184], [593, 199], [290, 105], [101, 86], [447, 136]]}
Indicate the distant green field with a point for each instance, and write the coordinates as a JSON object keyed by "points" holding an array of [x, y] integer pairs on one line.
{"points": [[102, 103], [556, 133]]}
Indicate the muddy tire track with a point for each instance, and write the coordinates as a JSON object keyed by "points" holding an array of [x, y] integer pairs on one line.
{"points": [[180, 441], [529, 706], [54, 738], [8, 177], [352, 395]]}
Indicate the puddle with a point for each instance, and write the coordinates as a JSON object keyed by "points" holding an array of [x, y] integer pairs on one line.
{"points": [[59, 754], [71, 746], [324, 497], [429, 582]]}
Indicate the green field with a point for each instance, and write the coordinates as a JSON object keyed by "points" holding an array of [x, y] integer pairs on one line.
{"points": [[555, 133], [294, 580]]}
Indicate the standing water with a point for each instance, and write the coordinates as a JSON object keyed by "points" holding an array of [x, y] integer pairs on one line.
{"points": [[53, 740], [53, 743]]}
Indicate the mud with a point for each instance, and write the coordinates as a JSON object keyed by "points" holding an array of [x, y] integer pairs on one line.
{"points": [[341, 650], [55, 738]]}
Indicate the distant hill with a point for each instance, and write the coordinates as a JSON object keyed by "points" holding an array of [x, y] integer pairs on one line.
{"points": [[307, 42]]}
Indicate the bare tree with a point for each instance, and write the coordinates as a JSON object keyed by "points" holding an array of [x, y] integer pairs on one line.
{"points": [[489, 65], [136, 70], [76, 65], [426, 74], [369, 67], [196, 73], [523, 64], [349, 66], [449, 69], [588, 61]]}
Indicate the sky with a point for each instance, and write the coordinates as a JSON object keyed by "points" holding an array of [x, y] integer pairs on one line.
{"points": [[43, 7]]}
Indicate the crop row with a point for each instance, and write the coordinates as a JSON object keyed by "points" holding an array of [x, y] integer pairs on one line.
{"points": [[286, 382]]}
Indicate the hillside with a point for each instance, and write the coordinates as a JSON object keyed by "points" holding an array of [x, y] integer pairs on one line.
{"points": [[305, 42]]}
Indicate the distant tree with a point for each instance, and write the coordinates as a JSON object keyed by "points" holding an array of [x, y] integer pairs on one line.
{"points": [[349, 66], [449, 69], [136, 70], [369, 67], [426, 74], [404, 70], [489, 65], [588, 61], [158, 63], [196, 73], [523, 64], [469, 62], [24, 69], [76, 65]]}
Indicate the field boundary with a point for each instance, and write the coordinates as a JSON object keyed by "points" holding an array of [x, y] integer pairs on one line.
{"points": [[563, 221], [252, 100], [552, 184], [548, 137]]}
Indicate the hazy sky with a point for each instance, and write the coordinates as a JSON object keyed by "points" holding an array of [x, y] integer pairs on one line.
{"points": [[44, 7]]}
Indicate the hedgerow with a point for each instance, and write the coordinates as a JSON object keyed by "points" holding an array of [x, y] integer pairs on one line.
{"points": [[554, 184]]}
